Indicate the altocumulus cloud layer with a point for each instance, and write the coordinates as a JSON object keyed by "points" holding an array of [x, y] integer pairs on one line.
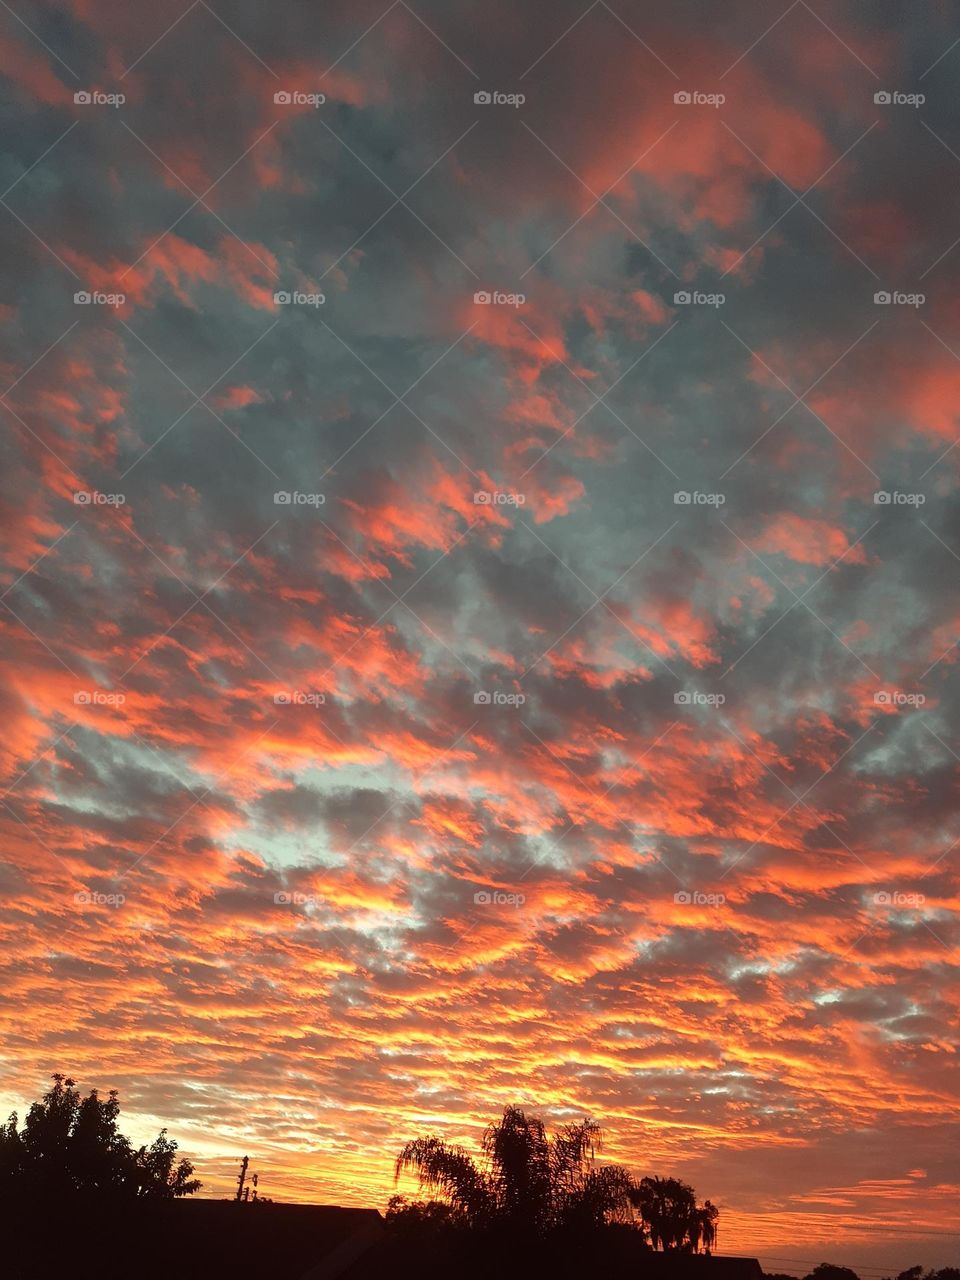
{"points": [[415, 702]]}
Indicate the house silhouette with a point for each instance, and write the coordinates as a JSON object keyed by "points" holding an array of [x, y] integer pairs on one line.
{"points": [[194, 1239]]}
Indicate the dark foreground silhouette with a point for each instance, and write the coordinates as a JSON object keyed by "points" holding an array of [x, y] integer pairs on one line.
{"points": [[531, 1187], [77, 1199], [72, 1145]]}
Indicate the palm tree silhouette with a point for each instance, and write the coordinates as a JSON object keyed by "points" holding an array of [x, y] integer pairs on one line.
{"points": [[704, 1230], [527, 1181], [673, 1218], [532, 1185]]}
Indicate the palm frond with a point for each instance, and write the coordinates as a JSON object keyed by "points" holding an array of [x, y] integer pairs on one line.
{"points": [[448, 1169], [574, 1149]]}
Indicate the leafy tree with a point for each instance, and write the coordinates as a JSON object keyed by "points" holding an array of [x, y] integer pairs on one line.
{"points": [[828, 1271], [157, 1179], [419, 1219], [11, 1151], [72, 1144]]}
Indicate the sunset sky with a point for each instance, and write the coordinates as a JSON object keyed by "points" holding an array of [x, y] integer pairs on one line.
{"points": [[582, 731]]}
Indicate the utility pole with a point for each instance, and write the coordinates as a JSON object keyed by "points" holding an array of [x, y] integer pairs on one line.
{"points": [[242, 1177]]}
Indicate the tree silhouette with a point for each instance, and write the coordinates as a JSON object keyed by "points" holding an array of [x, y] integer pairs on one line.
{"points": [[704, 1230], [157, 1178], [828, 1271], [72, 1144], [673, 1218], [531, 1185], [417, 1219]]}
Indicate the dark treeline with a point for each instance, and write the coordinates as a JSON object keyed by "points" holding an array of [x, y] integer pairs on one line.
{"points": [[830, 1271]]}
